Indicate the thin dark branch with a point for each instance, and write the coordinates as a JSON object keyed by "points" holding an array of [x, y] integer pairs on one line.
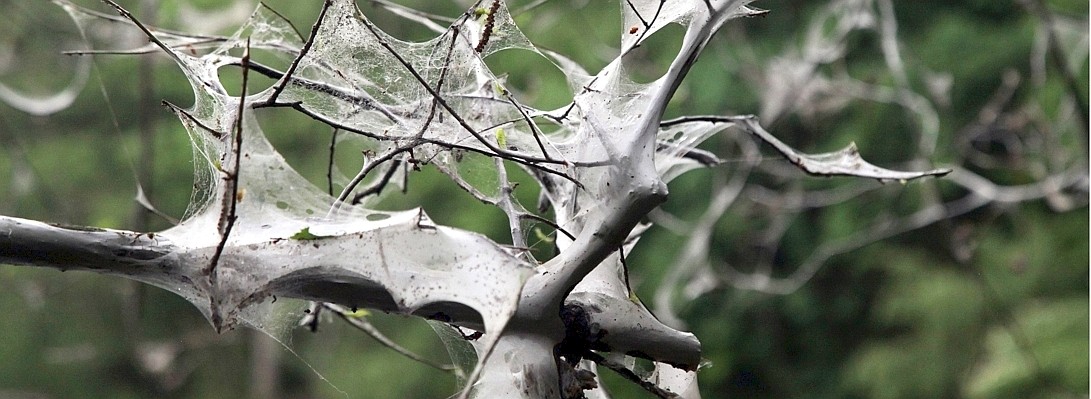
{"points": [[230, 195], [359, 323], [147, 32], [711, 119], [196, 43], [529, 163], [551, 223], [846, 162], [443, 103], [629, 375], [647, 24], [624, 269], [298, 106], [414, 142], [302, 52], [127, 19], [337, 92], [180, 111], [533, 127], [295, 29], [329, 166], [377, 187], [703, 157], [637, 13], [368, 167]]}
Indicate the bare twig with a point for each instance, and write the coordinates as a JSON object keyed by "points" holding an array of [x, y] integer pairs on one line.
{"points": [[845, 162], [329, 166], [1060, 62], [230, 197], [629, 375], [377, 187], [295, 29], [499, 152], [349, 316], [147, 32], [302, 53]]}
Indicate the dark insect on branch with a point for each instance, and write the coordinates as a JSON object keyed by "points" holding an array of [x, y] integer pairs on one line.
{"points": [[310, 318], [647, 24], [486, 32]]}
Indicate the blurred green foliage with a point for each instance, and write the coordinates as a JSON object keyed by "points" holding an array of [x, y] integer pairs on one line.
{"points": [[901, 318]]}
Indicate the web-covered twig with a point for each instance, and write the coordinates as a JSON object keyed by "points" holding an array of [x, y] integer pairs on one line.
{"points": [[279, 87], [846, 162], [230, 196], [624, 372], [360, 323]]}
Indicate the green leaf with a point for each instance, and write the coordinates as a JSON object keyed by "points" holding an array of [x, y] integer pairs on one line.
{"points": [[305, 234]]}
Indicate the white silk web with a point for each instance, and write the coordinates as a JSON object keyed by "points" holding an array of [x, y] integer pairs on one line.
{"points": [[255, 229]]}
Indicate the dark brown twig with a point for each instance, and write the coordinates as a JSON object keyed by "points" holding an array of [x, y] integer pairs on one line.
{"points": [[329, 166], [629, 375], [499, 152], [302, 53], [295, 29], [230, 195], [359, 323]]}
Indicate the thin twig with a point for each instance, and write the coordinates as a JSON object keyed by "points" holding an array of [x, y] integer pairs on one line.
{"points": [[127, 18], [366, 169], [647, 24], [629, 375], [551, 223], [147, 49], [329, 166], [499, 152], [302, 53], [362, 325], [230, 195], [377, 187], [530, 122], [184, 113], [147, 32], [357, 99], [425, 140], [295, 29], [412, 143]]}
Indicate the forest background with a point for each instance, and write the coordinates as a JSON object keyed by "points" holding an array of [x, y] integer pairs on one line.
{"points": [[990, 304]]}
